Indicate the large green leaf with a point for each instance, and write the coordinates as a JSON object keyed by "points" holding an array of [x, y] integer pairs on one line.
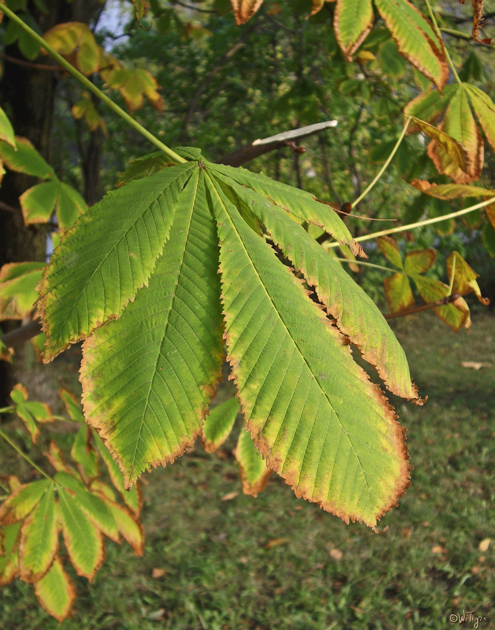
{"points": [[356, 314], [39, 539], [106, 257], [415, 39], [24, 158], [147, 387], [22, 501], [484, 108], [353, 22], [312, 412]]}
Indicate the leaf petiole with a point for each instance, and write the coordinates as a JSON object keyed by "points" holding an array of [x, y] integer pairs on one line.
{"points": [[23, 455], [366, 264], [385, 166], [438, 32], [91, 86]]}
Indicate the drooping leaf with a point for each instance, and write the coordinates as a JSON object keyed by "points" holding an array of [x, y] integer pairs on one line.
{"points": [[456, 314], [6, 130], [71, 404], [390, 250], [23, 158], [133, 497], [464, 278], [245, 9], [18, 282], [134, 85], [415, 39], [39, 539], [84, 455], [140, 7], [456, 154], [9, 558], [129, 527], [356, 314], [297, 202], [83, 540], [147, 391], [55, 592], [106, 257], [353, 22], [252, 467], [86, 109], [22, 501], [91, 504], [484, 108], [451, 191], [349, 455], [477, 21], [459, 123], [219, 423]]}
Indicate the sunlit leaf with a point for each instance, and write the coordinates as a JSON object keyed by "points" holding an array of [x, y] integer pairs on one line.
{"points": [[143, 166], [464, 278], [456, 314], [76, 37], [451, 191], [398, 292], [286, 389], [18, 294], [24, 158], [129, 527], [484, 108], [106, 257], [245, 9], [9, 558], [147, 391], [459, 123], [356, 314], [30, 412], [38, 202], [430, 105], [353, 22], [6, 130], [254, 472], [390, 250], [71, 404], [84, 455]]}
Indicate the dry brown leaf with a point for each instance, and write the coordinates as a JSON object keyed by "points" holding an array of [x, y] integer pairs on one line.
{"points": [[474, 365], [438, 549], [245, 9], [336, 554], [229, 496], [157, 573], [484, 544], [276, 542]]}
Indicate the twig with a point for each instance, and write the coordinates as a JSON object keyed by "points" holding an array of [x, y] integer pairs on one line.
{"points": [[30, 64], [7, 208], [424, 307], [260, 147], [23, 455], [21, 335]]}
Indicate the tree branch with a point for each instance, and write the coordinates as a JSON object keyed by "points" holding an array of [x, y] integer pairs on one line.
{"points": [[21, 335], [424, 307], [285, 139]]}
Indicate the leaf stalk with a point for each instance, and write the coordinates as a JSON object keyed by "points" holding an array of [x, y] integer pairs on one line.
{"points": [[23, 455]]}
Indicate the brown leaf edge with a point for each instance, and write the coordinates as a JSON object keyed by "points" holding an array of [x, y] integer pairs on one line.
{"points": [[253, 489], [349, 51], [399, 435], [72, 595], [98, 423], [438, 52]]}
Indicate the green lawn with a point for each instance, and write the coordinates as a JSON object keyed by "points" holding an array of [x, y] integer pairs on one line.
{"points": [[277, 562]]}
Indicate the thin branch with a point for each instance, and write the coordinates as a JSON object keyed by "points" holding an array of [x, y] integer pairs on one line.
{"points": [[7, 208], [30, 64], [22, 334], [424, 307], [266, 145], [23, 455], [194, 8]]}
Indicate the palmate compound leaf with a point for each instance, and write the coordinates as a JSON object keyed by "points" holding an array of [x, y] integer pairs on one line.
{"points": [[356, 314], [148, 377], [312, 412], [106, 257]]}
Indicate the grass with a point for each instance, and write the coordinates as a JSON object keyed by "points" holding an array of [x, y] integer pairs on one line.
{"points": [[279, 562]]}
